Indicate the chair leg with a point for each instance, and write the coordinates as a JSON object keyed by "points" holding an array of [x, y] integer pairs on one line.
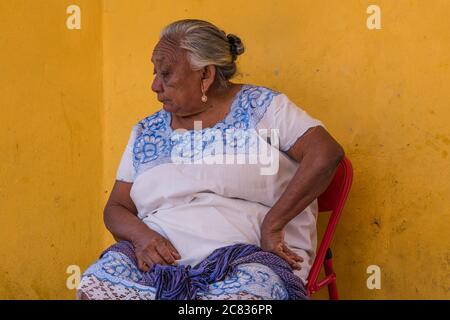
{"points": [[328, 266]]}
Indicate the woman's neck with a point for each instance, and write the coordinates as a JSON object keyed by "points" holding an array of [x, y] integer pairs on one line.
{"points": [[215, 110]]}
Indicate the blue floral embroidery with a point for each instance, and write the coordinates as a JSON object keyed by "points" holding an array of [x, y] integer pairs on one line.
{"points": [[253, 278], [148, 147], [156, 141]]}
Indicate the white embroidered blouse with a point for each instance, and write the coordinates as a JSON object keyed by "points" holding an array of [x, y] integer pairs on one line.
{"points": [[201, 205]]}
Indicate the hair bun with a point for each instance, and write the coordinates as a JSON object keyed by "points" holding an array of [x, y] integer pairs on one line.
{"points": [[236, 45]]}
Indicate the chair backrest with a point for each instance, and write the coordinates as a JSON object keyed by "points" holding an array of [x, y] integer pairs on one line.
{"points": [[332, 199]]}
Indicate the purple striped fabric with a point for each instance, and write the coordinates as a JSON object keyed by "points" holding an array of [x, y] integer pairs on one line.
{"points": [[184, 282]]}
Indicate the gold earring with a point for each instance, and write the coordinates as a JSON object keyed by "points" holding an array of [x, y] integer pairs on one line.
{"points": [[204, 97]]}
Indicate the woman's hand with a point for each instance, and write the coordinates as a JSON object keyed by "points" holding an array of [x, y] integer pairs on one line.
{"points": [[152, 248], [273, 241]]}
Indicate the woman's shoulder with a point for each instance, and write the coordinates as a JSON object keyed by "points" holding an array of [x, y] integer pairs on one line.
{"points": [[257, 94], [261, 97], [258, 98], [249, 87], [254, 96], [153, 122], [252, 104]]}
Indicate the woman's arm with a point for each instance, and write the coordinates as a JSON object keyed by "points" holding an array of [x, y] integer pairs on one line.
{"points": [[120, 217], [318, 155], [120, 214]]}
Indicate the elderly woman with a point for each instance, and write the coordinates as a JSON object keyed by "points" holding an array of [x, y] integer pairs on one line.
{"points": [[195, 213]]}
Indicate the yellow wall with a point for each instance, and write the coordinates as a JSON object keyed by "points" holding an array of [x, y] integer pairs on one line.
{"points": [[381, 93], [50, 146]]}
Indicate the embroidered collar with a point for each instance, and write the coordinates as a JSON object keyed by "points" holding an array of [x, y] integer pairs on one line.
{"points": [[156, 140]]}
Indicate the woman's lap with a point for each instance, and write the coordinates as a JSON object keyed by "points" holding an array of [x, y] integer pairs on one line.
{"points": [[115, 276], [251, 281]]}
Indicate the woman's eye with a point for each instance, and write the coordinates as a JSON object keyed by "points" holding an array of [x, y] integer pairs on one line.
{"points": [[162, 73]]}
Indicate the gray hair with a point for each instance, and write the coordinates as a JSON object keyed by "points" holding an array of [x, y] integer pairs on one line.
{"points": [[206, 45]]}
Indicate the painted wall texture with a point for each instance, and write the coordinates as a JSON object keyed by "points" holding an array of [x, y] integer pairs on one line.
{"points": [[69, 99], [50, 146]]}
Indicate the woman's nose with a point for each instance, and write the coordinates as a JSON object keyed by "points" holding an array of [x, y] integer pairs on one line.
{"points": [[156, 85]]}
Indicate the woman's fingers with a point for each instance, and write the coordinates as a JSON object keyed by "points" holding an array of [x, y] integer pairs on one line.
{"points": [[174, 251], [165, 254], [294, 259], [155, 257], [158, 252], [141, 264], [148, 260], [292, 254], [280, 252]]}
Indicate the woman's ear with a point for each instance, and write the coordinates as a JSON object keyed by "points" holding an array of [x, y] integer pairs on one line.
{"points": [[208, 76]]}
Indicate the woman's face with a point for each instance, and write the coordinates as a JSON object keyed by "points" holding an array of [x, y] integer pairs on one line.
{"points": [[178, 86]]}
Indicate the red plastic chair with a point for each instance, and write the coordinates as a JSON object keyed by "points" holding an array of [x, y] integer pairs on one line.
{"points": [[333, 199]]}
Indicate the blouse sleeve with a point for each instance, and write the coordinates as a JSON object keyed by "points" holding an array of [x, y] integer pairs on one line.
{"points": [[126, 171], [290, 120]]}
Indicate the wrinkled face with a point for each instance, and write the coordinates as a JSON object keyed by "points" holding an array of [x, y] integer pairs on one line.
{"points": [[178, 86]]}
